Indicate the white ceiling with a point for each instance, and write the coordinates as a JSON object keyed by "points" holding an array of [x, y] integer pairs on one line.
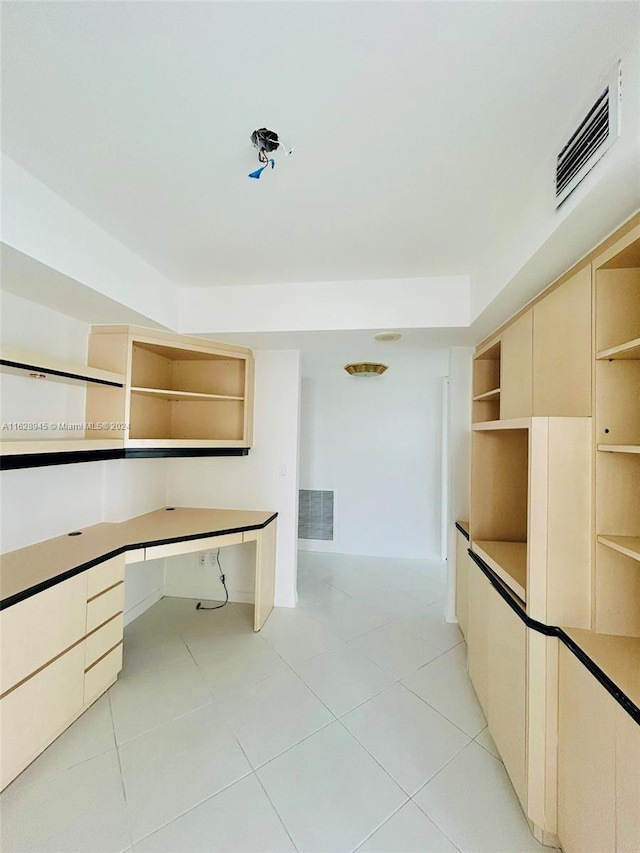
{"points": [[418, 127]]}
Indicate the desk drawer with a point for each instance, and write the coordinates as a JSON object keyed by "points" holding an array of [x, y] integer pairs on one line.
{"points": [[104, 575], [210, 543], [36, 630], [104, 606], [105, 638], [102, 674]]}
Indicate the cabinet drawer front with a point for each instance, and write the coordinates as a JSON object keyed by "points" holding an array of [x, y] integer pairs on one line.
{"points": [[210, 543], [104, 575], [102, 674], [105, 606], [36, 712], [105, 638], [36, 630]]}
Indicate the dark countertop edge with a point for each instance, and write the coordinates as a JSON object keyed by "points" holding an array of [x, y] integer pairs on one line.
{"points": [[50, 371], [464, 532], [553, 631], [134, 546], [14, 461]]}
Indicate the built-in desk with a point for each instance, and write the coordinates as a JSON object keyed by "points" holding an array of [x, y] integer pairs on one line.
{"points": [[62, 600]]}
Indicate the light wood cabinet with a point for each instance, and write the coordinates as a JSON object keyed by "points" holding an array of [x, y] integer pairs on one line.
{"points": [[478, 635], [179, 391], [463, 566], [516, 384], [598, 766], [506, 705], [562, 349], [486, 384]]}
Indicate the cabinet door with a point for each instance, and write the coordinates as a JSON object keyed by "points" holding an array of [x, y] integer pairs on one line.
{"points": [[516, 369], [586, 761], [39, 710], [477, 633], [462, 581], [562, 349], [627, 783], [506, 712]]}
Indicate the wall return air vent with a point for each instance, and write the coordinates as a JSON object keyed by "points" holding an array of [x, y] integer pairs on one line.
{"points": [[590, 140]]}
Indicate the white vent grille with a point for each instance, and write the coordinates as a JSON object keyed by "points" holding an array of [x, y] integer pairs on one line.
{"points": [[315, 514], [592, 138]]}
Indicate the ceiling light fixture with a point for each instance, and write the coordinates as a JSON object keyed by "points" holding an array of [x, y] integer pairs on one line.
{"points": [[365, 368], [388, 336]]}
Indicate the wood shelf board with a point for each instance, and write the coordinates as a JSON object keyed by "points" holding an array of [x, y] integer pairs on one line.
{"points": [[178, 396], [14, 447], [628, 545], [37, 362], [619, 448], [617, 657], [169, 340], [489, 352], [37, 564], [628, 350], [488, 395], [508, 560], [511, 423]]}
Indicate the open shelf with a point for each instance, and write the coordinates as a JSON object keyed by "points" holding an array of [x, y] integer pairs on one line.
{"points": [[619, 448], [181, 395], [508, 560], [629, 350], [41, 366], [627, 545], [488, 395]]}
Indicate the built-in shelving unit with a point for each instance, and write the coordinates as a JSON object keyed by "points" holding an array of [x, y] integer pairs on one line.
{"points": [[617, 438], [40, 366], [508, 560], [486, 384], [179, 391]]}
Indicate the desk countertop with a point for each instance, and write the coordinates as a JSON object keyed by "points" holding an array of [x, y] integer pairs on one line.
{"points": [[30, 570]]}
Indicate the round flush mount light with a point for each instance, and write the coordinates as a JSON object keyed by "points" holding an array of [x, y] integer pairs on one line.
{"points": [[388, 336], [365, 368]]}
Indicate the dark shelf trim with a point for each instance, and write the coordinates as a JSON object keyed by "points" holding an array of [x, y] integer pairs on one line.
{"points": [[70, 457], [553, 631], [132, 546], [20, 365], [463, 531]]}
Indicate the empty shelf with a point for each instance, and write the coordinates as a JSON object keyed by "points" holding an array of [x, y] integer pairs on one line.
{"points": [[628, 545], [508, 560], [630, 350], [44, 366], [164, 394], [488, 395], [619, 448]]}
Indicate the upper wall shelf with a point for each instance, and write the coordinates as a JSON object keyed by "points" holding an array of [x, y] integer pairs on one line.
{"points": [[488, 395], [627, 545], [41, 366], [619, 448], [629, 350]]}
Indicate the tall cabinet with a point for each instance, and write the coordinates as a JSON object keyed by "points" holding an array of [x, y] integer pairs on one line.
{"points": [[551, 584]]}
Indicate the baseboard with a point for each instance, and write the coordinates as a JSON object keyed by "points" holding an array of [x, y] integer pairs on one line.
{"points": [[141, 606]]}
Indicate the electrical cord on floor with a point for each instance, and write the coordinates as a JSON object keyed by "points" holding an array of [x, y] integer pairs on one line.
{"points": [[200, 606]]}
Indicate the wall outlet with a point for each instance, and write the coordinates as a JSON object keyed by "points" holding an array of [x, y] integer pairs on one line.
{"points": [[202, 559]]}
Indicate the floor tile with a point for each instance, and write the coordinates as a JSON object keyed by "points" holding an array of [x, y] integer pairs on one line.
{"points": [[473, 803], [432, 627], [343, 678], [239, 819], [329, 792], [296, 636], [229, 663], [143, 651], [396, 651], [485, 740], [408, 831], [395, 604], [348, 617], [273, 715], [173, 768], [444, 684], [228, 621], [155, 696], [409, 739], [79, 809], [354, 582], [90, 735]]}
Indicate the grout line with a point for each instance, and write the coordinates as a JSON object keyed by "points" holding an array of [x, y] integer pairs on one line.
{"points": [[278, 815], [382, 767], [385, 821]]}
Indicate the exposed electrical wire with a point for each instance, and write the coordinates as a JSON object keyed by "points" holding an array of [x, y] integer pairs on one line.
{"points": [[199, 605]]}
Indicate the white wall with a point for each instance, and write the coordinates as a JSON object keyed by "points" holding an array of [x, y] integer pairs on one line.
{"points": [[376, 443], [459, 451], [266, 479]]}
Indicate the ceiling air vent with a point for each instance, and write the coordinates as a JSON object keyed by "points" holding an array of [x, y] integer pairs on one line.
{"points": [[591, 139]]}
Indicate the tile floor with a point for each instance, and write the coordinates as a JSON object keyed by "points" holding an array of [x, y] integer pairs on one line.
{"points": [[346, 724]]}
